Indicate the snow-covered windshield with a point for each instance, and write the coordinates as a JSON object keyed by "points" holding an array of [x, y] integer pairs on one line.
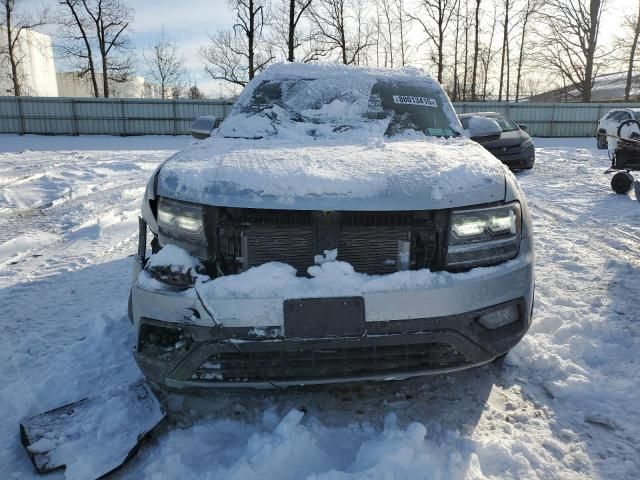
{"points": [[326, 108]]}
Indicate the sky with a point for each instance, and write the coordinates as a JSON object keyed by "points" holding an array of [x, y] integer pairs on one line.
{"points": [[190, 21]]}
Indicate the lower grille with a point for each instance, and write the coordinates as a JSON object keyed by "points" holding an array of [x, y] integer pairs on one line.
{"points": [[318, 362]]}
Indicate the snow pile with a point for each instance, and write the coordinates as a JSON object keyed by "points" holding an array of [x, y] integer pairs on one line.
{"points": [[174, 258], [292, 448], [404, 173], [329, 279]]}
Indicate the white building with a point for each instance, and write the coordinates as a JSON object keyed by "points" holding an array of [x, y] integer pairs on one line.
{"points": [[36, 69], [71, 85]]}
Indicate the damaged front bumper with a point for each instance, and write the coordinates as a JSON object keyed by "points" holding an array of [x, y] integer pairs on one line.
{"points": [[186, 341]]}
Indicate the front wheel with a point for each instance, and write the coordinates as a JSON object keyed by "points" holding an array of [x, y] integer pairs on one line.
{"points": [[602, 141], [622, 183]]}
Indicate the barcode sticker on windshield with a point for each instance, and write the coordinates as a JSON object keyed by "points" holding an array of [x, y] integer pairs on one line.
{"points": [[408, 100]]}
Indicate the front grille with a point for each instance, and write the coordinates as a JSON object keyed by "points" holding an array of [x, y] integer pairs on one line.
{"points": [[367, 240], [318, 362], [371, 250]]}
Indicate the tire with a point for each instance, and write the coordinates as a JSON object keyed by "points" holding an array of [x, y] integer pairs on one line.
{"points": [[637, 189], [602, 141], [622, 183]]}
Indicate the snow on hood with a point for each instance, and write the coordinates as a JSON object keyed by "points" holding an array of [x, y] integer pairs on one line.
{"points": [[412, 172]]}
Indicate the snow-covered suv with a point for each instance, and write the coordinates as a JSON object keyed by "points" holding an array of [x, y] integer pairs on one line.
{"points": [[336, 227], [609, 124]]}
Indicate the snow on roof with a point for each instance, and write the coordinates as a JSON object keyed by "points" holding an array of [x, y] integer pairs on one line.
{"points": [[336, 70]]}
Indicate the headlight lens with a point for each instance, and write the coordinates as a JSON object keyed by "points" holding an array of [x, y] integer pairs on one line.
{"points": [[486, 236], [527, 144], [181, 223]]}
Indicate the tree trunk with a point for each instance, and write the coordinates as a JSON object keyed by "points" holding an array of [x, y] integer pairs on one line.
{"points": [[508, 83], [455, 57], [521, 56], [10, 46], [505, 34], [250, 40], [475, 53], [591, 49], [402, 52], [440, 45], [105, 75], [292, 27], [632, 55], [466, 52]]}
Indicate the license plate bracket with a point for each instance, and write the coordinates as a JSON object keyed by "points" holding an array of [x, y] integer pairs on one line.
{"points": [[324, 317]]}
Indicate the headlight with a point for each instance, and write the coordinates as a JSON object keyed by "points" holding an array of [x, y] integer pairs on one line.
{"points": [[484, 236], [180, 223], [527, 143]]}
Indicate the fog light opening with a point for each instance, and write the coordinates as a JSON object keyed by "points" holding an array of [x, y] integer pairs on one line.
{"points": [[500, 318]]}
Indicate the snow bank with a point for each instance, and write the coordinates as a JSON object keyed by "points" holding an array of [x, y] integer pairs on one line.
{"points": [[294, 447]]}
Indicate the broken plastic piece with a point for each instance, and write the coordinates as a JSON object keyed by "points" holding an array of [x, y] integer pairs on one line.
{"points": [[93, 436]]}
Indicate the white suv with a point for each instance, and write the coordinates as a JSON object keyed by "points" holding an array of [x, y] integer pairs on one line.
{"points": [[609, 124]]}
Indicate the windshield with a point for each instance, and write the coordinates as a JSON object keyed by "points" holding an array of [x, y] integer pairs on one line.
{"points": [[329, 108], [506, 124]]}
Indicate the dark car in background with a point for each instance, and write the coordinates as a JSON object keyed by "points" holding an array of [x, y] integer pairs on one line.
{"points": [[513, 146]]}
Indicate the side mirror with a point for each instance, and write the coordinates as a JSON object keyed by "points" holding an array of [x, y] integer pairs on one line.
{"points": [[482, 127], [203, 127], [523, 126]]}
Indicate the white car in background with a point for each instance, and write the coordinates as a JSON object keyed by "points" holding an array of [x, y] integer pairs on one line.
{"points": [[610, 123]]}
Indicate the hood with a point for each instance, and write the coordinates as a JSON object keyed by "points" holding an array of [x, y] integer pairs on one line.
{"points": [[401, 174], [506, 139]]}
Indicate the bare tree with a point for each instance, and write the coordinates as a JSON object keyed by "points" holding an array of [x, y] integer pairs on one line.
{"points": [[486, 57], [456, 81], [15, 26], [101, 39], [467, 27], [530, 8], [332, 19], [402, 32], [507, 4], [195, 93], [237, 55], [570, 45], [434, 17], [476, 49], [628, 44], [386, 7], [76, 44], [166, 65], [296, 9]]}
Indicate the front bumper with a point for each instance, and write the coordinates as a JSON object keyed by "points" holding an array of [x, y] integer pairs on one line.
{"points": [[182, 343], [515, 157]]}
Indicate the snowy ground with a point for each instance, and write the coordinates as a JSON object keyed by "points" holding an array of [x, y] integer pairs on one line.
{"points": [[565, 406]]}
